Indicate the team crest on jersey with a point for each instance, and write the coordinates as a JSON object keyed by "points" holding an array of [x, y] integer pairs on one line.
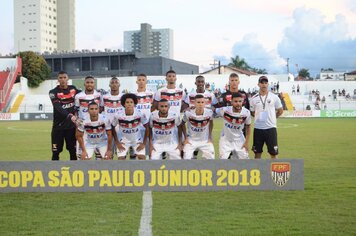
{"points": [[144, 99], [176, 96], [280, 173], [234, 119], [129, 123], [199, 123], [111, 103], [85, 102], [163, 125], [94, 129]]}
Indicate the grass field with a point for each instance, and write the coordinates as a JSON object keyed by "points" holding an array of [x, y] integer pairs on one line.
{"points": [[327, 206]]}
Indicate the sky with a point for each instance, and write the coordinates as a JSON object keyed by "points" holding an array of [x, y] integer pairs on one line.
{"points": [[312, 34]]}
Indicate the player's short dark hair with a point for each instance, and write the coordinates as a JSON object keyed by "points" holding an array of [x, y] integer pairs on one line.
{"points": [[199, 77], [114, 78], [236, 95], [199, 96], [62, 72], [234, 75], [170, 72], [93, 103], [89, 77], [142, 74], [126, 96], [163, 100]]}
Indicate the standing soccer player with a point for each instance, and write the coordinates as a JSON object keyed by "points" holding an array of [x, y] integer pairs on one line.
{"points": [[111, 100], [63, 128], [266, 107], [232, 140], [171, 93], [144, 102], [225, 99], [210, 99], [87, 96], [165, 132], [200, 126], [94, 133], [127, 126]]}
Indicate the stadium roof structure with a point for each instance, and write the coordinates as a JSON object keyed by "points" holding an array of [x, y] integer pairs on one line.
{"points": [[229, 69]]}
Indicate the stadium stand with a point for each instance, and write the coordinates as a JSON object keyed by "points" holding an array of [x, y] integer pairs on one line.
{"points": [[36, 100], [10, 68]]}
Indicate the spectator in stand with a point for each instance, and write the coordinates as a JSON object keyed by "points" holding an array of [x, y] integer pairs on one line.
{"points": [[298, 89], [277, 87], [293, 89]]}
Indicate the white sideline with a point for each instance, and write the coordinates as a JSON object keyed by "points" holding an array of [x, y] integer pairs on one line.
{"points": [[146, 217]]}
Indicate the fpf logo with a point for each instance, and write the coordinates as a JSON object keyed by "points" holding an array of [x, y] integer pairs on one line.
{"points": [[280, 173]]}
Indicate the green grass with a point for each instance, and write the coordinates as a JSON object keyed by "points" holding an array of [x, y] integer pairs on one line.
{"points": [[327, 206]]}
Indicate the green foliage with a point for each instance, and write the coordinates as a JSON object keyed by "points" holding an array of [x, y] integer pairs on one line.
{"points": [[304, 73], [242, 64], [34, 68]]}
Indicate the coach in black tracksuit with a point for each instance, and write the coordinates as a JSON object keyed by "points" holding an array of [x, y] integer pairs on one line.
{"points": [[63, 128]]}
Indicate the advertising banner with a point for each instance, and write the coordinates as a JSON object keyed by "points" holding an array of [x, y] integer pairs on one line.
{"points": [[9, 116], [36, 116], [165, 175], [338, 113]]}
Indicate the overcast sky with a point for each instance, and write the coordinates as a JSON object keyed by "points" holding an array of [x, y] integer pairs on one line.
{"points": [[313, 34]]}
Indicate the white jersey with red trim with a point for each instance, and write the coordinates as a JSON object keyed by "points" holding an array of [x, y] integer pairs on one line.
{"points": [[112, 104], [128, 126], [234, 123], [95, 131], [210, 99], [144, 102], [165, 129], [174, 97], [198, 125], [82, 101]]}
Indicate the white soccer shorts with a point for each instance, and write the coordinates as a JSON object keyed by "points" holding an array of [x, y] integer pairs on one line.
{"points": [[134, 147], [226, 147], [101, 147], [170, 149], [206, 148]]}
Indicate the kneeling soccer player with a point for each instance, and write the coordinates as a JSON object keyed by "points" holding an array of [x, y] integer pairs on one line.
{"points": [[127, 125], [165, 132], [232, 138], [200, 126], [94, 132]]}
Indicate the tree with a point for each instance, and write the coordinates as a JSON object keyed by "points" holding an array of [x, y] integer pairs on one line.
{"points": [[260, 71], [239, 63], [34, 68], [304, 73]]}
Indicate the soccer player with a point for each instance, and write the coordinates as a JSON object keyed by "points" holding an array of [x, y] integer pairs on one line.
{"points": [[111, 100], [94, 133], [63, 128], [165, 132], [200, 125], [171, 93], [144, 102], [232, 139], [189, 101], [225, 99], [210, 99], [127, 125], [83, 99], [144, 96], [266, 107]]}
